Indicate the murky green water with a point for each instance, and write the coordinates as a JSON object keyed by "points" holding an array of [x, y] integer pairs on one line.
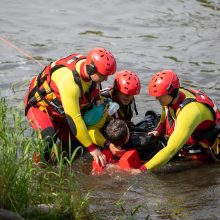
{"points": [[145, 36]]}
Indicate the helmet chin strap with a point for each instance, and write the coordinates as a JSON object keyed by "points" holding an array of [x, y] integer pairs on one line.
{"points": [[173, 94], [170, 103], [90, 69]]}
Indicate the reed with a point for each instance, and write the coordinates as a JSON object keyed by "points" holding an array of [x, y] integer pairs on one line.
{"points": [[24, 187]]}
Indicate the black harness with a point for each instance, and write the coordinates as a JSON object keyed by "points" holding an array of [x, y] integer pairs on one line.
{"points": [[55, 103]]}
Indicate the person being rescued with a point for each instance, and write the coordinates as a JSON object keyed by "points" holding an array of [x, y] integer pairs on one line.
{"points": [[117, 132], [59, 96], [189, 119], [126, 85]]}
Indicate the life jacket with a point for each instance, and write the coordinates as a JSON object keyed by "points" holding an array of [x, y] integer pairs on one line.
{"points": [[125, 112], [197, 134], [44, 94]]}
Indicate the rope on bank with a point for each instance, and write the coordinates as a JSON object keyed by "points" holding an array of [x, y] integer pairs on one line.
{"points": [[20, 50]]}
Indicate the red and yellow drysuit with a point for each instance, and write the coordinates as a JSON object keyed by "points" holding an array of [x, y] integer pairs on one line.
{"points": [[58, 96], [185, 122]]}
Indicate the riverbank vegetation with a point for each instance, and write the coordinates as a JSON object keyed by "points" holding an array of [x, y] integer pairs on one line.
{"points": [[30, 190]]}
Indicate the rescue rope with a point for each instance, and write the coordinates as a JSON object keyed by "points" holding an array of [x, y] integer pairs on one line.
{"points": [[20, 50]]}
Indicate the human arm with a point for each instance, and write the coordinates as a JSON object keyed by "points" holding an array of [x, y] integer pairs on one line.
{"points": [[95, 133], [99, 139], [161, 127], [186, 123]]}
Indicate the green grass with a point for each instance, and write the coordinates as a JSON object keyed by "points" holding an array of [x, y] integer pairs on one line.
{"points": [[22, 186]]}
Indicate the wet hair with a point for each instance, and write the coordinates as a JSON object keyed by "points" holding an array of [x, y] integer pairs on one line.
{"points": [[116, 132]]}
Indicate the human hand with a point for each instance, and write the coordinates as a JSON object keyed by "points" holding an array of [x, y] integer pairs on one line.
{"points": [[99, 157], [116, 150], [153, 133], [142, 168]]}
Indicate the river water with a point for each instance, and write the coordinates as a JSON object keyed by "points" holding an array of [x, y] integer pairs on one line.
{"points": [[145, 36]]}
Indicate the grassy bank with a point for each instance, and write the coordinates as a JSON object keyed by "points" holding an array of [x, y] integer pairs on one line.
{"points": [[24, 187]]}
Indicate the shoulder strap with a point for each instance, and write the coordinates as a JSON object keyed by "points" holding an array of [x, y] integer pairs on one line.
{"points": [[135, 107], [187, 101], [77, 81]]}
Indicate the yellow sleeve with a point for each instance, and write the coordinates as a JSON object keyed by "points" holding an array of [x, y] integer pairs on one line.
{"points": [[70, 93], [187, 120], [95, 133]]}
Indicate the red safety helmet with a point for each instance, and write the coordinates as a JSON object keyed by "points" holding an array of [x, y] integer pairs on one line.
{"points": [[101, 60], [163, 82], [127, 82]]}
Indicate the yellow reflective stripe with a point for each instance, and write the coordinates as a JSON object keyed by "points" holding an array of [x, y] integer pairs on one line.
{"points": [[46, 87], [43, 108], [37, 96], [216, 145]]}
